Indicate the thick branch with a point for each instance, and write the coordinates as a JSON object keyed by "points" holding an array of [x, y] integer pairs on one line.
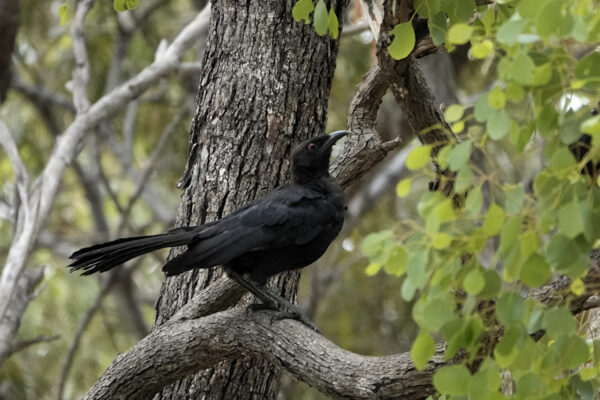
{"points": [[180, 348]]}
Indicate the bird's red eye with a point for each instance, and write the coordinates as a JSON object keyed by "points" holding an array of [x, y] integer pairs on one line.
{"points": [[311, 146]]}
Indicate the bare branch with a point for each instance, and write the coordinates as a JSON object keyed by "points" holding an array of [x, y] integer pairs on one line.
{"points": [[67, 145], [23, 344], [84, 322], [180, 348], [41, 96], [150, 165]]}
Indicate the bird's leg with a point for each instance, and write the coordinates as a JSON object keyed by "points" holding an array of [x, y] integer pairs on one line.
{"points": [[272, 301]]}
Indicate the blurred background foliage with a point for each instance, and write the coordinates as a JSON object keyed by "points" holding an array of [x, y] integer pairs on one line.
{"points": [[361, 312]]}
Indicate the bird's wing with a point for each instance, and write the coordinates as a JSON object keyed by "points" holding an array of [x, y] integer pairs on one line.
{"points": [[283, 218]]}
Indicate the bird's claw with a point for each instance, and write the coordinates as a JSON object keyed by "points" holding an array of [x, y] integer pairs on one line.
{"points": [[279, 314]]}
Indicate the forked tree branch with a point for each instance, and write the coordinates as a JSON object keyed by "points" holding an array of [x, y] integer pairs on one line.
{"points": [[35, 204]]}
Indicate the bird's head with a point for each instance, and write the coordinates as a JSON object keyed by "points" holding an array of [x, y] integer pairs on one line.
{"points": [[310, 159]]}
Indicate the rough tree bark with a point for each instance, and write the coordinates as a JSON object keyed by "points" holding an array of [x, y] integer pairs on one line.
{"points": [[264, 86]]}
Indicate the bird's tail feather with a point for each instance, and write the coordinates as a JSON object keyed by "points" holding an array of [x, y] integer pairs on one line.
{"points": [[105, 256]]}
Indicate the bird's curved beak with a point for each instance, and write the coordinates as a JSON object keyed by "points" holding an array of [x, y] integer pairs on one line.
{"points": [[333, 138]]}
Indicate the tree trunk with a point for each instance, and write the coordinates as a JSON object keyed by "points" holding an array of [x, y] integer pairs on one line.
{"points": [[264, 87]]}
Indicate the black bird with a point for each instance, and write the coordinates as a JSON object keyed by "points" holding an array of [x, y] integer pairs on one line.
{"points": [[287, 228]]}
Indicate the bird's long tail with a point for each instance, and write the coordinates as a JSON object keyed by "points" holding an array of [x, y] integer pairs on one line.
{"points": [[105, 256]]}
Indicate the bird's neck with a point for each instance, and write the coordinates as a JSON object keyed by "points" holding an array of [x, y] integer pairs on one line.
{"points": [[322, 183]]}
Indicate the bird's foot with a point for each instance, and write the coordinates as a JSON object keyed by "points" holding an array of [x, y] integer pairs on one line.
{"points": [[279, 314]]}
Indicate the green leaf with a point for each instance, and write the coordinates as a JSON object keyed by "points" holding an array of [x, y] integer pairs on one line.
{"points": [[510, 30], [554, 20], [485, 381], [483, 110], [62, 13], [498, 125], [441, 241], [438, 26], [591, 126], [570, 220], [124, 5], [530, 386], [493, 283], [487, 19], [474, 202], [377, 246], [559, 321], [507, 348], [459, 155], [407, 292], [535, 271], [493, 220], [333, 24], [403, 187], [418, 157], [454, 112], [547, 120], [573, 351], [427, 8], [482, 49], [529, 8], [562, 161], [515, 198], [120, 5], [452, 380], [510, 308], [515, 92], [529, 243], [422, 350], [372, 269], [459, 33], [562, 252], [397, 261], [433, 315], [522, 69], [302, 10], [463, 180], [509, 234], [474, 282], [321, 18], [497, 98], [404, 41], [587, 67], [542, 74], [416, 271]]}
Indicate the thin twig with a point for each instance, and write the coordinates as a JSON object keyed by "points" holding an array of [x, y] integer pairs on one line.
{"points": [[150, 165], [23, 344], [84, 322]]}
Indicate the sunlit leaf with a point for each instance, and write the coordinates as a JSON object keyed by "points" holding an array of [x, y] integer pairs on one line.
{"points": [[493, 220], [452, 380], [422, 350], [404, 41], [302, 10], [333, 24], [535, 271], [418, 157], [403, 187], [454, 112], [459, 33]]}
